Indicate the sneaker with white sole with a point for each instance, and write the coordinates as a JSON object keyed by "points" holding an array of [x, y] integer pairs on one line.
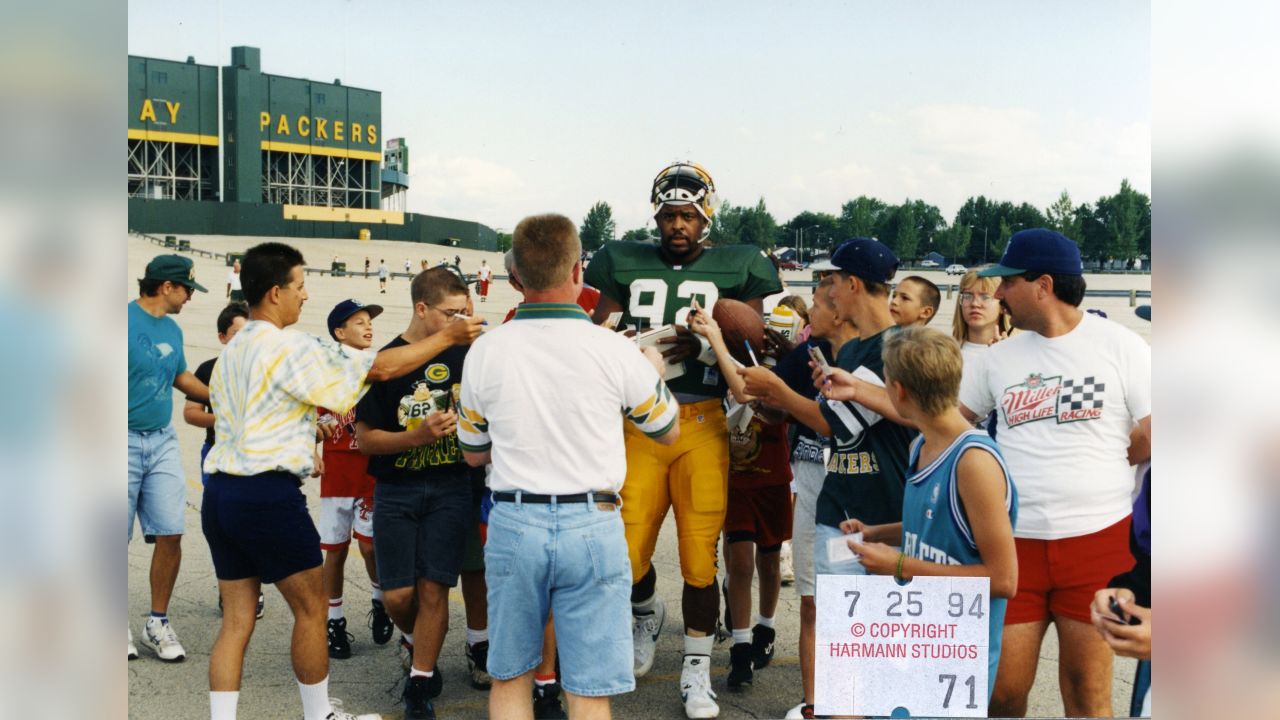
{"points": [[786, 567], [337, 713], [695, 688], [262, 604], [133, 649], [644, 635], [160, 637]]}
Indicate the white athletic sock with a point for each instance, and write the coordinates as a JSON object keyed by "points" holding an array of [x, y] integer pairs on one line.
{"points": [[315, 700], [477, 636], [377, 592], [741, 635], [699, 645], [222, 705], [645, 608], [765, 621], [335, 608], [415, 672]]}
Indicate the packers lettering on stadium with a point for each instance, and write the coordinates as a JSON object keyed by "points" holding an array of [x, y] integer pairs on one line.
{"points": [[318, 128], [303, 126]]}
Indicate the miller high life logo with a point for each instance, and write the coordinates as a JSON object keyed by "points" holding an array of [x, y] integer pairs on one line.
{"points": [[1042, 398]]}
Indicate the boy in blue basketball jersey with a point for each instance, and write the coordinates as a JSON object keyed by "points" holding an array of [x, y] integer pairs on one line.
{"points": [[960, 505]]}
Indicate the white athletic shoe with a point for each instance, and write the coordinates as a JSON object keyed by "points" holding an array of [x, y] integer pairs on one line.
{"points": [[695, 688], [797, 712], [133, 649], [644, 636], [337, 713], [160, 637], [785, 566]]}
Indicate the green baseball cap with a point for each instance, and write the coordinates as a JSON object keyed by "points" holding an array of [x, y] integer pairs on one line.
{"points": [[174, 268]]}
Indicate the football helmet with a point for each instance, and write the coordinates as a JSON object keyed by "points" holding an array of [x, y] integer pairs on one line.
{"points": [[685, 183]]}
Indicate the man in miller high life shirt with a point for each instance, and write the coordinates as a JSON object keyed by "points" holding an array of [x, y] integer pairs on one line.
{"points": [[1068, 391]]}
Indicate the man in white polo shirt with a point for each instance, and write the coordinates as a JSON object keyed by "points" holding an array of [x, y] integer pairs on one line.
{"points": [[544, 399], [1067, 392]]}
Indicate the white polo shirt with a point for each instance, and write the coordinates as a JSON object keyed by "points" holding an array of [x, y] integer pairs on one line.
{"points": [[547, 394]]}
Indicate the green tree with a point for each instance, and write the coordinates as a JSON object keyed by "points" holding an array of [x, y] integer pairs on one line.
{"points": [[1063, 217], [1126, 207], [727, 227], [644, 235], [997, 247], [907, 238], [860, 216], [954, 242], [757, 226], [504, 242], [818, 231], [598, 227]]}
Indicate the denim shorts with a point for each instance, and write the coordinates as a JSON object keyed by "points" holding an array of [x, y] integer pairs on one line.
{"points": [[258, 526], [420, 529], [157, 484], [571, 560], [822, 565]]}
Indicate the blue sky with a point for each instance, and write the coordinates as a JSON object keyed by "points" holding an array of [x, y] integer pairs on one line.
{"points": [[513, 108]]}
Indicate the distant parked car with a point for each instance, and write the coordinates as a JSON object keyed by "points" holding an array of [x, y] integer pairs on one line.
{"points": [[929, 264], [791, 265], [957, 269]]}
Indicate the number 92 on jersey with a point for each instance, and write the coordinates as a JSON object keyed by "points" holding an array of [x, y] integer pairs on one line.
{"points": [[912, 650]]}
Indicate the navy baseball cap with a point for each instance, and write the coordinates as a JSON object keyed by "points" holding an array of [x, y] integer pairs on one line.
{"points": [[1037, 250], [346, 309], [1143, 311], [866, 258]]}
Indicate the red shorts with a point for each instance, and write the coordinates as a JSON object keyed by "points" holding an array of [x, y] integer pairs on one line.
{"points": [[1058, 578], [761, 514], [483, 287]]}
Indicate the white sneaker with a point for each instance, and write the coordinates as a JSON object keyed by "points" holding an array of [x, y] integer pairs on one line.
{"points": [[644, 636], [337, 713], [797, 712], [133, 649], [785, 566], [695, 688], [160, 637]]}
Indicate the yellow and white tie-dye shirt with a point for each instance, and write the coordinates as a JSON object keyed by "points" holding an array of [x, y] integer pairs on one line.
{"points": [[264, 392], [548, 393]]}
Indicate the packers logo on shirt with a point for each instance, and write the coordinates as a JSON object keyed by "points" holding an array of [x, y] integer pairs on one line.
{"points": [[437, 372]]}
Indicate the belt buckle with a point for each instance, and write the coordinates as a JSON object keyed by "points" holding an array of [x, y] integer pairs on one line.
{"points": [[606, 506]]}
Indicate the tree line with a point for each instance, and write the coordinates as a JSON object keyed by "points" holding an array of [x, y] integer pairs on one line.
{"points": [[1114, 227]]}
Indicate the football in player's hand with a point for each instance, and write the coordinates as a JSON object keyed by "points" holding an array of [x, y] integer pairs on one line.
{"points": [[739, 323]]}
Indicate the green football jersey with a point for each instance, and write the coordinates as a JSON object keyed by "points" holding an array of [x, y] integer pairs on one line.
{"points": [[653, 293]]}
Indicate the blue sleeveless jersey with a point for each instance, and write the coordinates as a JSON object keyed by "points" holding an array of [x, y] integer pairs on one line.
{"points": [[935, 528]]}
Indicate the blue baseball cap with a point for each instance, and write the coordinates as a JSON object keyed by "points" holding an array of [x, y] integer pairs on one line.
{"points": [[1037, 250], [346, 309], [1143, 311], [866, 258]]}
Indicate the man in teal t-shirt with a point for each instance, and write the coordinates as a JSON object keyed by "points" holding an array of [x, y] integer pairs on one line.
{"points": [[157, 486]]}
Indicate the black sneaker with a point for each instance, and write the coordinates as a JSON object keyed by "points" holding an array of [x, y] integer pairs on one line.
{"points": [[339, 639], [417, 699], [380, 623], [762, 646], [478, 665], [740, 674], [546, 702]]}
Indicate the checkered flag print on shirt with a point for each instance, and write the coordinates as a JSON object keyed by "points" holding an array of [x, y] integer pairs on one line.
{"points": [[1081, 395]]}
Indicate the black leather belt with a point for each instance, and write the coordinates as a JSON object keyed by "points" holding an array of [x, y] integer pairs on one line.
{"points": [[524, 497]]}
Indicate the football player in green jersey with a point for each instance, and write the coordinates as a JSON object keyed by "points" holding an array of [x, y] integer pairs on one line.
{"points": [[653, 287]]}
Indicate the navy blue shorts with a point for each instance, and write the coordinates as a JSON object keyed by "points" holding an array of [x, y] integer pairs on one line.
{"points": [[420, 529], [258, 526]]}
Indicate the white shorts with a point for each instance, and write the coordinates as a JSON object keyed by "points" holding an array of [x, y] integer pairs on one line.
{"points": [[808, 483], [342, 517]]}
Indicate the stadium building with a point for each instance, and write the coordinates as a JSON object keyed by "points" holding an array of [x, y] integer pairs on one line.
{"points": [[293, 158]]}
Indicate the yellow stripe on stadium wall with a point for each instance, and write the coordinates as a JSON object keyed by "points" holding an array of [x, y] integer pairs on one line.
{"points": [[320, 150], [341, 214], [176, 137]]}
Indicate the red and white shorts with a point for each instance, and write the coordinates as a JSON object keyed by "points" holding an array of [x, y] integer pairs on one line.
{"points": [[343, 517]]}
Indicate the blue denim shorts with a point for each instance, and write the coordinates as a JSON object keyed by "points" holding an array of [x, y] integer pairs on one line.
{"points": [[569, 559], [157, 483], [421, 529], [822, 565]]}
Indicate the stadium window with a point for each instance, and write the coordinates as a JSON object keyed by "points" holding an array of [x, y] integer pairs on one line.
{"points": [[159, 78]]}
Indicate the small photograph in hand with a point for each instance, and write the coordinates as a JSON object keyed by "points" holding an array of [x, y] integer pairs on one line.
{"points": [[1120, 613], [820, 359]]}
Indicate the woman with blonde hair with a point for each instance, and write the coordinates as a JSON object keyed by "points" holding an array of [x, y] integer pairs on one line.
{"points": [[980, 320]]}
